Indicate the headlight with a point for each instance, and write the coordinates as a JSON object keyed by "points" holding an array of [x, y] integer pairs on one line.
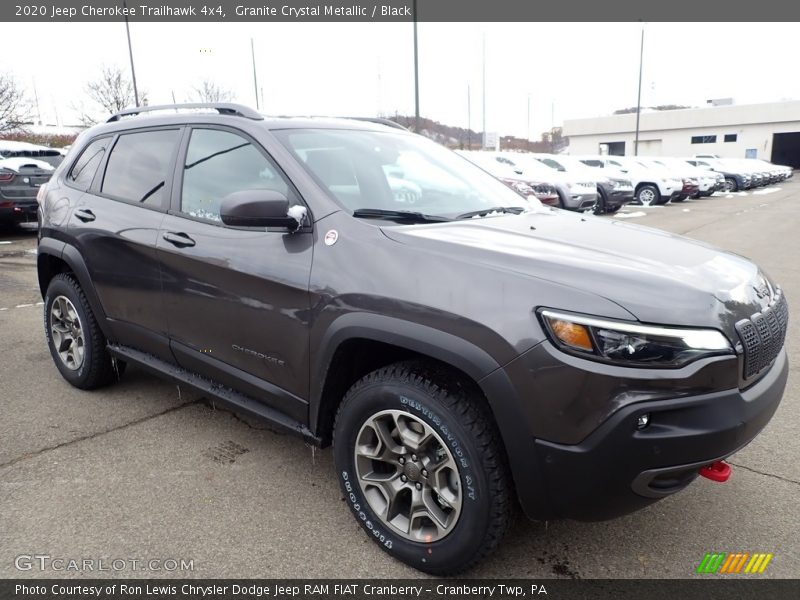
{"points": [[631, 344]]}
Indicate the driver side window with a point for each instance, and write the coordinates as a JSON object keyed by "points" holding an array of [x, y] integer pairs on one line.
{"points": [[219, 163]]}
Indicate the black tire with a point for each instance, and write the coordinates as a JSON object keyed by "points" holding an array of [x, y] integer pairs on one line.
{"points": [[614, 209], [601, 206], [455, 412], [97, 368], [731, 185], [648, 190], [561, 203]]}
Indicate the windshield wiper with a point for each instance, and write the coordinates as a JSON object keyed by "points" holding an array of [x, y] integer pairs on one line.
{"points": [[397, 215], [485, 211]]}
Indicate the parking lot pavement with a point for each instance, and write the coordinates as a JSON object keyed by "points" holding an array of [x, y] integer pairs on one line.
{"points": [[145, 470]]}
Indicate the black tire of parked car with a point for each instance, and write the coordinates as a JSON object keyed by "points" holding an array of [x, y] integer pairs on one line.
{"points": [[455, 411], [97, 368], [648, 189], [731, 185], [601, 206]]}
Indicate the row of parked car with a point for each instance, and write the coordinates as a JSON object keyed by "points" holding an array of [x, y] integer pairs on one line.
{"points": [[604, 183], [600, 183]]}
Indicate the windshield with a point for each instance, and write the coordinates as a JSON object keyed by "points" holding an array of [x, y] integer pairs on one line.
{"points": [[396, 172]]}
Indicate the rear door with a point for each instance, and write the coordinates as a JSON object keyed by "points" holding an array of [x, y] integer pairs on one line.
{"points": [[115, 226], [236, 298]]}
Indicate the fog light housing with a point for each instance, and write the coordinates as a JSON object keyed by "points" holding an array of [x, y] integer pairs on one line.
{"points": [[643, 421]]}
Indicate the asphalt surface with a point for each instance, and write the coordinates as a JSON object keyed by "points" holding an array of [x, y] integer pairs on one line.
{"points": [[145, 470]]}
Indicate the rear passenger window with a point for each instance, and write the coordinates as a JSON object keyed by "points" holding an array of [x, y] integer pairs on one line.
{"points": [[219, 163], [139, 166], [82, 172]]}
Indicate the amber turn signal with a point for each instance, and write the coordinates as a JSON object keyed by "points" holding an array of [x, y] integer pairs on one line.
{"points": [[571, 334]]}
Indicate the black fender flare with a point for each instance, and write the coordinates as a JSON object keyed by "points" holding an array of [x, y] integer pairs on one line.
{"points": [[72, 257], [462, 354]]}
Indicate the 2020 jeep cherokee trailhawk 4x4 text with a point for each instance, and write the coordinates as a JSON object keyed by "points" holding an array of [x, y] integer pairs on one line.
{"points": [[461, 346]]}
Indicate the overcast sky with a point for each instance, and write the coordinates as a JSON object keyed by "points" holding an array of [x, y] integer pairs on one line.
{"points": [[569, 70]]}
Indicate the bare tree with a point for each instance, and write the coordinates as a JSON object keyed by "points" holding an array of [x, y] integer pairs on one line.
{"points": [[15, 109], [208, 91], [111, 92]]}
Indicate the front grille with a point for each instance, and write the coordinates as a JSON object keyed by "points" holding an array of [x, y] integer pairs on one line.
{"points": [[763, 334]]}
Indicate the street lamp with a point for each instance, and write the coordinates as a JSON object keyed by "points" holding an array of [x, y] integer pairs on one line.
{"points": [[639, 97], [130, 54]]}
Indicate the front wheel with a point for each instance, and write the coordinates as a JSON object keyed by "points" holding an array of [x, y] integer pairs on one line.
{"points": [[648, 195], [421, 467]]}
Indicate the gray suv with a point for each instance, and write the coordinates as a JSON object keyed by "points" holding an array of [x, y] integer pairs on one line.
{"points": [[462, 347]]}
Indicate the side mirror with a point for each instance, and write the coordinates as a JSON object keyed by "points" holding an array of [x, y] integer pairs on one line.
{"points": [[258, 208]]}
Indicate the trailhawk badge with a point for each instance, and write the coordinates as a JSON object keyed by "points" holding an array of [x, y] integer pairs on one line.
{"points": [[331, 237]]}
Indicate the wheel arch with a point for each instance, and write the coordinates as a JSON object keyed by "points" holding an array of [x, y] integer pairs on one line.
{"points": [[54, 257], [386, 340]]}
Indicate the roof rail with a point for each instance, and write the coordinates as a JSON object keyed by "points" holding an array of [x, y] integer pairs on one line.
{"points": [[380, 121], [223, 108]]}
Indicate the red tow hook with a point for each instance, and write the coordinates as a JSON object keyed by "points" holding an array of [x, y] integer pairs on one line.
{"points": [[719, 471]]}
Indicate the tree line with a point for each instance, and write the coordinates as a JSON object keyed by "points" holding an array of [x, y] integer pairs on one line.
{"points": [[110, 92]]}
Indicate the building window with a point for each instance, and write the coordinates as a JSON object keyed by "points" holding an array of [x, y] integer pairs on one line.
{"points": [[730, 137], [704, 139]]}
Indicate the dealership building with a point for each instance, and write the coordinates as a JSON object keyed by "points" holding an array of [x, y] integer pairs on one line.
{"points": [[767, 131]]}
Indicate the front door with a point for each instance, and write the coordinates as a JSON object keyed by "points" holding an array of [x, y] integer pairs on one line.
{"points": [[236, 298]]}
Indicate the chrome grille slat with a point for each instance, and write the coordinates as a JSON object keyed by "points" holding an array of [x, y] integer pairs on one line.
{"points": [[763, 335]]}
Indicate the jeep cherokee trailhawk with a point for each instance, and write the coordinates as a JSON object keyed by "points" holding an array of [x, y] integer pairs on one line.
{"points": [[462, 347]]}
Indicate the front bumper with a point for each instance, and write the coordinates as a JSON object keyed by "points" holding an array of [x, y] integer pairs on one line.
{"points": [[618, 468]]}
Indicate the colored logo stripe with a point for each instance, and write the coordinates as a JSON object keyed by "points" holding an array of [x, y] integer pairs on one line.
{"points": [[723, 562]]}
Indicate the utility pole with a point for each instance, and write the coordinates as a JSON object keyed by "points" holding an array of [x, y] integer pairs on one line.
{"points": [[483, 100], [529, 118], [36, 100], [130, 55], [469, 121], [416, 73], [639, 96], [255, 79]]}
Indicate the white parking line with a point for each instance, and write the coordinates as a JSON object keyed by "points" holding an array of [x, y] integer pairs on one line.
{"points": [[767, 191], [22, 306], [627, 215]]}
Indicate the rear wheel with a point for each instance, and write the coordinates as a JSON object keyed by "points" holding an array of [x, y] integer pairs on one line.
{"points": [[422, 468], [648, 195], [76, 343]]}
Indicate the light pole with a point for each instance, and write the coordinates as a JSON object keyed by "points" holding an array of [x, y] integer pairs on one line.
{"points": [[130, 55], [469, 120], [639, 96], [529, 117], [416, 73], [483, 99], [255, 79]]}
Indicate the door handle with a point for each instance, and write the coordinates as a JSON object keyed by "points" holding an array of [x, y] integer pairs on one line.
{"points": [[85, 215], [181, 240]]}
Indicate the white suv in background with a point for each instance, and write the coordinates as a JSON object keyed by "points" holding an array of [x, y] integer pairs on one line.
{"points": [[650, 186], [576, 192]]}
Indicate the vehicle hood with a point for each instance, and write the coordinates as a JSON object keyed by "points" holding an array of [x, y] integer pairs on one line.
{"points": [[657, 276], [18, 162]]}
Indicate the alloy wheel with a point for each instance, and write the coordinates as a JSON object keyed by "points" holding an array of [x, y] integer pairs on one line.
{"points": [[408, 476], [647, 197], [67, 333]]}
